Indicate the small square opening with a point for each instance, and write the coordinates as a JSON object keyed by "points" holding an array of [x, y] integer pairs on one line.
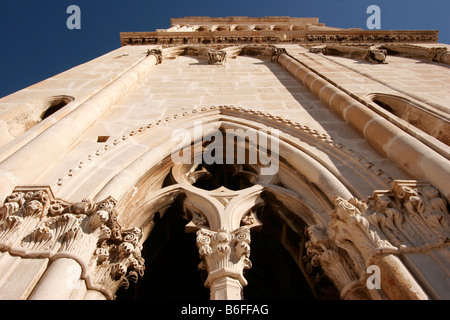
{"points": [[102, 139]]}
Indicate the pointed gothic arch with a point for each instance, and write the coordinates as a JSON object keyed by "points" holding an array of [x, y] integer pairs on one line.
{"points": [[340, 239], [303, 184]]}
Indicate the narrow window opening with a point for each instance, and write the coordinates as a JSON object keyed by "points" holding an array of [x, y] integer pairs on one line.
{"points": [[171, 263], [55, 105]]}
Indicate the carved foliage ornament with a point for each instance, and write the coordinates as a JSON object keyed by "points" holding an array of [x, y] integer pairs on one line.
{"points": [[33, 224], [217, 57], [157, 52], [411, 214], [224, 254], [411, 217]]}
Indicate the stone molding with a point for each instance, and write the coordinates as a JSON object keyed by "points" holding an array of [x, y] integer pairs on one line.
{"points": [[411, 217], [281, 123], [277, 37], [370, 54], [34, 224], [384, 136]]}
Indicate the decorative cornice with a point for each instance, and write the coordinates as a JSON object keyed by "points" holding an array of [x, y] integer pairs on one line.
{"points": [[309, 37]]}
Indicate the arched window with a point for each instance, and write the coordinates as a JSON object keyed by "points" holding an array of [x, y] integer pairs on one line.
{"points": [[24, 118], [54, 104]]}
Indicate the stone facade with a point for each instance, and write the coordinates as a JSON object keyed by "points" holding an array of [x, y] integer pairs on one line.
{"points": [[356, 121]]}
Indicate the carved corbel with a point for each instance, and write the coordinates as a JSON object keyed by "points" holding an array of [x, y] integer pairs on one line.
{"points": [[276, 53], [436, 54], [216, 57], [376, 55], [372, 54]]}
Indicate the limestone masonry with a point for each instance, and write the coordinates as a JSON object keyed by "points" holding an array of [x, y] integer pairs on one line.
{"points": [[353, 124]]}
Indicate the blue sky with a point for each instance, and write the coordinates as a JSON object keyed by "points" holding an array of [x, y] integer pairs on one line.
{"points": [[35, 43]]}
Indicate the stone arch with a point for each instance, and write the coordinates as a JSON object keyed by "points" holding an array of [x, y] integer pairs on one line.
{"points": [[144, 184], [137, 151], [210, 215], [304, 185]]}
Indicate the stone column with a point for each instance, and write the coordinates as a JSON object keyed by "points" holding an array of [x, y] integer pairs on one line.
{"points": [[351, 232], [409, 154], [58, 281], [225, 257]]}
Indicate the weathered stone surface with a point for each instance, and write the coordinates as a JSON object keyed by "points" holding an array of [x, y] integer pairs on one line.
{"points": [[354, 122]]}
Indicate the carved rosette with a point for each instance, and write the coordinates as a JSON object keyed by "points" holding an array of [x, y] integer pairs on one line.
{"points": [[33, 224], [224, 254]]}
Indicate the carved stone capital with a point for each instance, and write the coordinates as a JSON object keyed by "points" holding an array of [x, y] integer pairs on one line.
{"points": [[224, 254], [34, 224], [276, 53], [157, 53], [116, 261], [411, 217], [412, 214]]}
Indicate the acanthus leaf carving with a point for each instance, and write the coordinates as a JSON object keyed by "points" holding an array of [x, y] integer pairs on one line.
{"points": [[35, 224], [411, 214], [117, 260], [410, 217], [224, 253]]}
